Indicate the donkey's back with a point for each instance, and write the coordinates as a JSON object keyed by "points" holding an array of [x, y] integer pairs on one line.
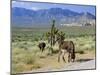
{"points": [[67, 45], [42, 46]]}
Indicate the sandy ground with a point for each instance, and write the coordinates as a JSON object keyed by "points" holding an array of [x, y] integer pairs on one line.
{"points": [[72, 66], [50, 63]]}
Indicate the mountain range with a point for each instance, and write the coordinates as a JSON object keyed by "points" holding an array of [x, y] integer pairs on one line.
{"points": [[43, 17]]}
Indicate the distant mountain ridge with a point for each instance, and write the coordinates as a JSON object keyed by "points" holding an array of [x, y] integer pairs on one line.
{"points": [[43, 17]]}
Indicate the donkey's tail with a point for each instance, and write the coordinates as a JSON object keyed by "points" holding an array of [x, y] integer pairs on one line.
{"points": [[73, 52]]}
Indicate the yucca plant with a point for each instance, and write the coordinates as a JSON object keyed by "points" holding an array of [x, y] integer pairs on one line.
{"points": [[53, 34]]}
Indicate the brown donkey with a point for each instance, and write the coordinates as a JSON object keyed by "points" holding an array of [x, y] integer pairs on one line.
{"points": [[64, 47], [42, 46]]}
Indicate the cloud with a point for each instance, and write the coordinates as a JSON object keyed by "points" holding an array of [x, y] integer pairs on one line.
{"points": [[35, 8]]}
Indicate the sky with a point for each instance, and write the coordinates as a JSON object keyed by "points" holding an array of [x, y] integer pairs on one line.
{"points": [[37, 6]]}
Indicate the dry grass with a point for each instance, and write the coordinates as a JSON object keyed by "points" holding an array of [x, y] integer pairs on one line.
{"points": [[27, 56]]}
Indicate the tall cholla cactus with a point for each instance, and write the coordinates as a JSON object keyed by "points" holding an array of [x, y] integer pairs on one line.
{"points": [[47, 35], [51, 35], [55, 35], [54, 32]]}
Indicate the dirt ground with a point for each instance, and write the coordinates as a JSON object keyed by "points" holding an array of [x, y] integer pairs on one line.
{"points": [[50, 63]]}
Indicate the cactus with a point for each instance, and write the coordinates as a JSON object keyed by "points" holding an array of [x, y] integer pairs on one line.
{"points": [[53, 34]]}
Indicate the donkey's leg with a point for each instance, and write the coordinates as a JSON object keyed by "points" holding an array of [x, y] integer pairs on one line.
{"points": [[63, 54], [42, 49], [72, 57], [59, 56], [73, 60], [69, 57]]}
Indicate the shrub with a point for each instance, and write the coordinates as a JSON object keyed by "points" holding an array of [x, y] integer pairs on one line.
{"points": [[36, 39], [29, 59], [80, 52]]}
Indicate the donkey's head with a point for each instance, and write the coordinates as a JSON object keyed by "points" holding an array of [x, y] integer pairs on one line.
{"points": [[60, 38]]}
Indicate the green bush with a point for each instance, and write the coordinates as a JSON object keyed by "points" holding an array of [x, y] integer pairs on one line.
{"points": [[36, 39], [80, 52]]}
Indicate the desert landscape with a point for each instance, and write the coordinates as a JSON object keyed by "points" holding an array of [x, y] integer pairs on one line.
{"points": [[33, 23], [26, 56]]}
